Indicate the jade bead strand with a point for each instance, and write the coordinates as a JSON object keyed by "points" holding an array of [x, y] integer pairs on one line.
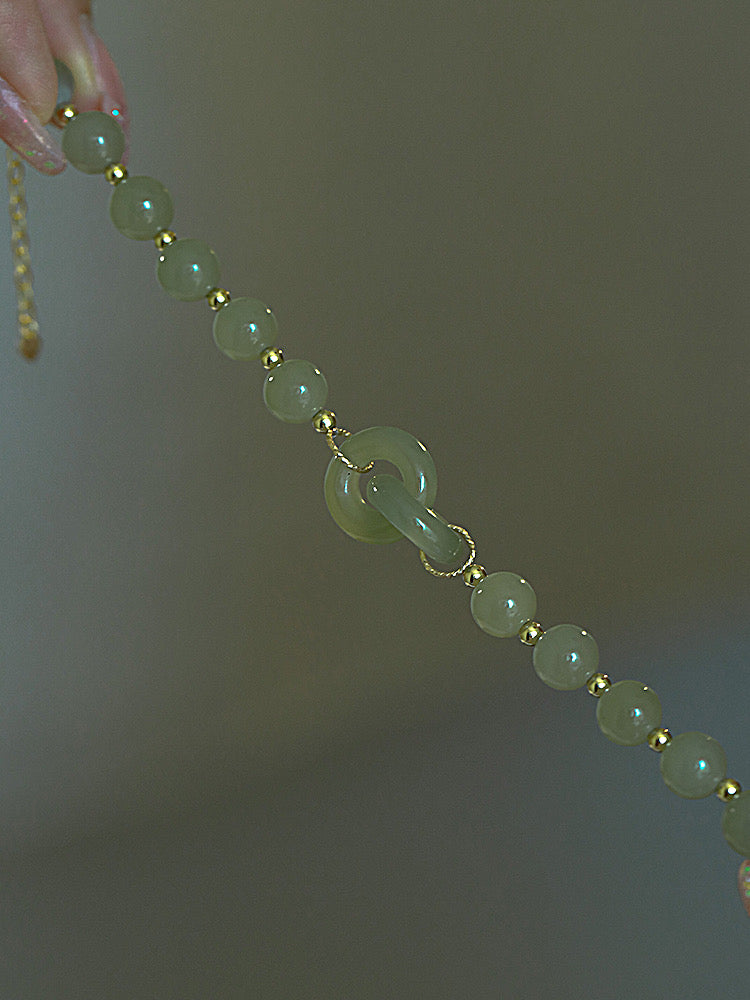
{"points": [[503, 604], [188, 269]]}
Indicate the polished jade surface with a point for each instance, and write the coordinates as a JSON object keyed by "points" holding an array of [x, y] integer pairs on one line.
{"points": [[692, 765], [735, 823], [294, 391], [93, 141], [140, 207], [565, 657], [188, 269], [502, 603], [627, 712], [426, 530], [343, 486], [244, 329]]}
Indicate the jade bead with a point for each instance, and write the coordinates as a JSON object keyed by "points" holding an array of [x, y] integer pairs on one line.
{"points": [[188, 270], [343, 486], [426, 530], [692, 765], [244, 329], [92, 141], [565, 656], [501, 603], [627, 712], [140, 207], [735, 823], [294, 391]]}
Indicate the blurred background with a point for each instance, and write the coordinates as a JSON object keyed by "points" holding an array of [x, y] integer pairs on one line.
{"points": [[244, 756]]}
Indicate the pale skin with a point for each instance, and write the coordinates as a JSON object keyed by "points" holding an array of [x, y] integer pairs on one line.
{"points": [[33, 33]]}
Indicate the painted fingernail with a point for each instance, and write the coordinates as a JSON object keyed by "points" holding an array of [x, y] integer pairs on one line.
{"points": [[24, 133], [743, 883]]}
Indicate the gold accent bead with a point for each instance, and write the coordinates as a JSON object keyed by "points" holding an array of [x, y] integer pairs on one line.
{"points": [[324, 421], [218, 298], [474, 575], [115, 173], [165, 238], [659, 738], [728, 789], [18, 215], [598, 684], [271, 358], [530, 633], [29, 345], [64, 114]]}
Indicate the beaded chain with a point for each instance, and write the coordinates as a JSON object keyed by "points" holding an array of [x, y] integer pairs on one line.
{"points": [[503, 604]]}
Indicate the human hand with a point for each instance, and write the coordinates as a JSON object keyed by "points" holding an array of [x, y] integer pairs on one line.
{"points": [[33, 33]]}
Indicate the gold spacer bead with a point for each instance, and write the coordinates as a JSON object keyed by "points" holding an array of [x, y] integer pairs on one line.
{"points": [[218, 298], [324, 421], [659, 738], [530, 633], [165, 238], [598, 684], [728, 789], [29, 345], [116, 173], [474, 574], [272, 358], [18, 215], [64, 114]]}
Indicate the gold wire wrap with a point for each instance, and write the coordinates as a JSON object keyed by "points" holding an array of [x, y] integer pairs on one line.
{"points": [[330, 436], [30, 342], [446, 575]]}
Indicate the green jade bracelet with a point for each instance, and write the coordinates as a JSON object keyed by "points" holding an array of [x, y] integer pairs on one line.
{"points": [[566, 657]]}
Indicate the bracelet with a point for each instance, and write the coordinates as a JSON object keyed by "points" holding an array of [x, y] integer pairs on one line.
{"points": [[503, 604]]}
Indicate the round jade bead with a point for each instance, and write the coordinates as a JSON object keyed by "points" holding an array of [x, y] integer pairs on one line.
{"points": [[92, 141], [692, 765], [244, 329], [140, 207], [565, 656], [294, 391], [501, 603], [188, 270], [426, 530], [343, 486], [735, 823], [627, 712]]}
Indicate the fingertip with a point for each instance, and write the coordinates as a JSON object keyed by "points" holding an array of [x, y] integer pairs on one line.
{"points": [[23, 132]]}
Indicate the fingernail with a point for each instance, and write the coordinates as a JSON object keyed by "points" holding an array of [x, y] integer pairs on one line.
{"points": [[743, 882], [24, 133], [108, 84]]}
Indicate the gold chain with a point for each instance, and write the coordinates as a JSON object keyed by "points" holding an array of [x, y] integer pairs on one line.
{"points": [[28, 327]]}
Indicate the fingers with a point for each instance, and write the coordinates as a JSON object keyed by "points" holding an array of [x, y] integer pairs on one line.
{"points": [[74, 41], [28, 85], [26, 62], [33, 33]]}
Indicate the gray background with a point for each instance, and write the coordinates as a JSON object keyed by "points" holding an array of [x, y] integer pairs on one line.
{"points": [[242, 755]]}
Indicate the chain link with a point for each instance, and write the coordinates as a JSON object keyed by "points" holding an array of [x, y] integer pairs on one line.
{"points": [[28, 326]]}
